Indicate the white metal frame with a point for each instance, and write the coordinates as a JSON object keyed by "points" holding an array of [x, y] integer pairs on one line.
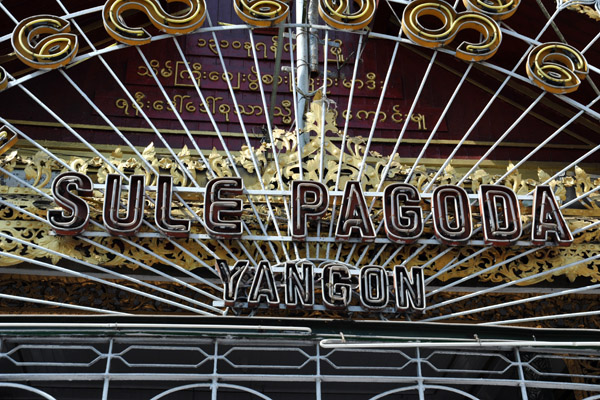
{"points": [[251, 239]]}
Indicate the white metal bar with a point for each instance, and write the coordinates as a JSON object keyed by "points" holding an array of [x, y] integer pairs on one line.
{"points": [[59, 304], [25, 387], [476, 274], [591, 43], [439, 123], [546, 141], [527, 300], [318, 375], [421, 387], [538, 318], [379, 105], [284, 238], [340, 344], [299, 113], [501, 138], [129, 325], [406, 122], [99, 280], [448, 267], [249, 144], [9, 14], [324, 106], [324, 109], [270, 131], [107, 370], [358, 53], [515, 282]]}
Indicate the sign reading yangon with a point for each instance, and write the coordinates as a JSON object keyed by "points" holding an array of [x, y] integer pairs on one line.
{"points": [[377, 288]]}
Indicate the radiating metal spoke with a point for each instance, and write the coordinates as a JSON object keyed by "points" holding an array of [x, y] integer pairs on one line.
{"points": [[249, 144], [59, 304], [551, 271]]}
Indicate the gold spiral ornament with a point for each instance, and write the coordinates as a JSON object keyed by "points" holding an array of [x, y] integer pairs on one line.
{"points": [[3, 79], [453, 23], [556, 67], [497, 9], [57, 47], [339, 13], [262, 13], [163, 21], [8, 139]]}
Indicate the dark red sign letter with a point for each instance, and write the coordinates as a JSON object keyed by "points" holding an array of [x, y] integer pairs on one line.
{"points": [[128, 225], [309, 200], [500, 214], [66, 189], [162, 215], [354, 215], [547, 219], [451, 214], [402, 213], [221, 212]]}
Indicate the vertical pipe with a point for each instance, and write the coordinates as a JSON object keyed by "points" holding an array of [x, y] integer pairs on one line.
{"points": [[215, 378], [107, 371], [521, 375], [303, 67], [318, 382], [313, 41], [420, 375]]}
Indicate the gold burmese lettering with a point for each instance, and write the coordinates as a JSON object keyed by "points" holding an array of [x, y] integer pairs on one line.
{"points": [[181, 77], [267, 51], [283, 110]]}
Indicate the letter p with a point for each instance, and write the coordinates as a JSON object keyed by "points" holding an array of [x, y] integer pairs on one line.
{"points": [[309, 200]]}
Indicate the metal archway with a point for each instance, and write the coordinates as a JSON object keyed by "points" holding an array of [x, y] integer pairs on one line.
{"points": [[421, 390], [213, 386], [27, 388]]}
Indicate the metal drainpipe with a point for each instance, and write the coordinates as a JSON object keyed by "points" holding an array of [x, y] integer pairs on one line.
{"points": [[313, 12], [303, 67]]}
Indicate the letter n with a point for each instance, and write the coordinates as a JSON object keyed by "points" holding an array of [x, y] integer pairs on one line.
{"points": [[299, 284], [410, 288]]}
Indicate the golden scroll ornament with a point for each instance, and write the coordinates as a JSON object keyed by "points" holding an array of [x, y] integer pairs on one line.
{"points": [[57, 47], [452, 22], [112, 16]]}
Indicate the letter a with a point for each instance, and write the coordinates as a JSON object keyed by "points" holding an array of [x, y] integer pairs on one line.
{"points": [[354, 215]]}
